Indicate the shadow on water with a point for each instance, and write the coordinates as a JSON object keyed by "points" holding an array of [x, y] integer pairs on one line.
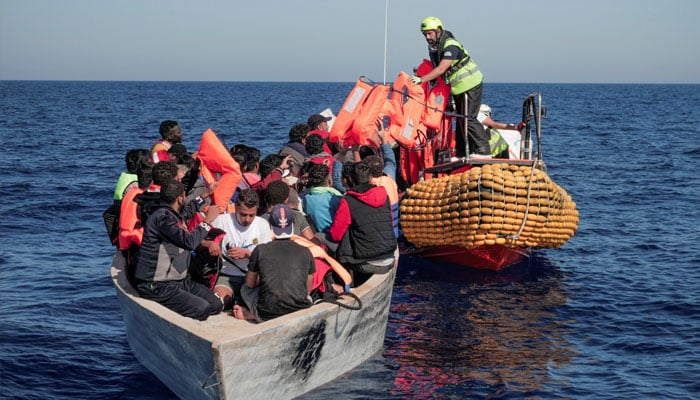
{"points": [[456, 331]]}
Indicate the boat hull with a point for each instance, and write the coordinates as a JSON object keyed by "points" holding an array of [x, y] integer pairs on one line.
{"points": [[226, 358], [490, 257]]}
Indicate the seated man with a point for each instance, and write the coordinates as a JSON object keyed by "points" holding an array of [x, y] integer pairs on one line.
{"points": [[314, 146], [321, 202], [244, 231], [363, 226], [379, 178], [498, 143], [170, 133], [161, 270], [295, 147], [280, 273], [277, 192], [128, 180]]}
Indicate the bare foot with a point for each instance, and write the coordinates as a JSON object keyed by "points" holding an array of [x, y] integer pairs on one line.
{"points": [[338, 288], [242, 313]]}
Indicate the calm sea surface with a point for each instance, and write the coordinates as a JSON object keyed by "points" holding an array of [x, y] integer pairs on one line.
{"points": [[614, 314]]}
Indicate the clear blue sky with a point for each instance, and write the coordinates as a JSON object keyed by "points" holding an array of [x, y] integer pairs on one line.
{"points": [[609, 41]]}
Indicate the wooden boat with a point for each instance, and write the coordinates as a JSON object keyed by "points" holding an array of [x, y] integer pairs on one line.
{"points": [[486, 213], [227, 358]]}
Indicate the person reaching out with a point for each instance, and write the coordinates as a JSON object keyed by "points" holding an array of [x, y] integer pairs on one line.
{"points": [[499, 146], [451, 61]]}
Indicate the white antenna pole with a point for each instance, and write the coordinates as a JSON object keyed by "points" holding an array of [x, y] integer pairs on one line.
{"points": [[386, 18]]}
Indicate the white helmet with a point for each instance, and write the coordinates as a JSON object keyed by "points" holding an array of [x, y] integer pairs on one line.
{"points": [[485, 109]]}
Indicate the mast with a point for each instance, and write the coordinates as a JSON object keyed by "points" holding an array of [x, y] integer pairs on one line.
{"points": [[386, 18]]}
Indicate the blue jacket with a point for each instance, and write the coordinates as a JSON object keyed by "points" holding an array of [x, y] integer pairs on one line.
{"points": [[320, 205]]}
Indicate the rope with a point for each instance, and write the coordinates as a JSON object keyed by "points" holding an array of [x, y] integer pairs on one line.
{"points": [[527, 205], [333, 299], [206, 384]]}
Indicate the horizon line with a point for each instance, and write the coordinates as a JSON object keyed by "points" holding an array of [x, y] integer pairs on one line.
{"points": [[343, 82]]}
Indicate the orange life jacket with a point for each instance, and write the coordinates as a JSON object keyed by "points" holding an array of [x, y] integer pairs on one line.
{"points": [[216, 160], [406, 112], [130, 228], [437, 97], [370, 111], [340, 131], [435, 105]]}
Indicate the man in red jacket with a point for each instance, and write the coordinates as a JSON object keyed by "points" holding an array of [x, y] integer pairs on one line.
{"points": [[363, 226]]}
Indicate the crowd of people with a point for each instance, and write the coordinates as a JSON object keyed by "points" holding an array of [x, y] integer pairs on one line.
{"points": [[313, 216], [313, 209]]}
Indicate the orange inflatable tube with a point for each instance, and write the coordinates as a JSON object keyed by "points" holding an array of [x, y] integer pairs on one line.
{"points": [[216, 160]]}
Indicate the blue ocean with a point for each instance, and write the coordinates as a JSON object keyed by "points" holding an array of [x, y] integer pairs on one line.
{"points": [[613, 314]]}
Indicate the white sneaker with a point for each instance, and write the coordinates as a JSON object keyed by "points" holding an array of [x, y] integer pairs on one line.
{"points": [[480, 156]]}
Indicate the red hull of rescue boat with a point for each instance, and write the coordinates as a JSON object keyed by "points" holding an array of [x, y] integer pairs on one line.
{"points": [[490, 257]]}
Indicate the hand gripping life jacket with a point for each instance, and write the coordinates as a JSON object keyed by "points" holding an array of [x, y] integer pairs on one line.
{"points": [[319, 254], [216, 159]]}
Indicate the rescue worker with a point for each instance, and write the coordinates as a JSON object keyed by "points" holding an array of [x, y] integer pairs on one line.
{"points": [[498, 144], [451, 61]]}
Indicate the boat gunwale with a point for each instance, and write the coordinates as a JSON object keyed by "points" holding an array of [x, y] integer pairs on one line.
{"points": [[224, 328]]}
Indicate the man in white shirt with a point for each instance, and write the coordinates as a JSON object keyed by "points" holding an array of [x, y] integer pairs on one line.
{"points": [[244, 231]]}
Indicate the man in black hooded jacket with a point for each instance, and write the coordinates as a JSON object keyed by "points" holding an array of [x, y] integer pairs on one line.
{"points": [[161, 270]]}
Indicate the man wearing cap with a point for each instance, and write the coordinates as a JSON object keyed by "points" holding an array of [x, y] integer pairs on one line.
{"points": [[318, 122], [452, 62], [318, 125], [280, 273]]}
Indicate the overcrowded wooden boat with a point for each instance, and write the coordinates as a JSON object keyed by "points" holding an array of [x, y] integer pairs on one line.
{"points": [[227, 358]]}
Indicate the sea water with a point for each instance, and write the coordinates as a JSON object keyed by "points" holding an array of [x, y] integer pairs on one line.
{"points": [[613, 314]]}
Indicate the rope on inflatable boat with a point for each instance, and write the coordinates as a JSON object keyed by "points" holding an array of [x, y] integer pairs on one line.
{"points": [[493, 204], [527, 206]]}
